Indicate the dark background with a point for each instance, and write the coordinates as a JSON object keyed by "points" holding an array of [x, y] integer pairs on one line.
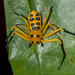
{"points": [[5, 67]]}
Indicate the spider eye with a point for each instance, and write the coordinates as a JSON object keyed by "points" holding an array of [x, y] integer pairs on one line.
{"points": [[37, 42], [32, 35], [32, 42], [38, 36]]}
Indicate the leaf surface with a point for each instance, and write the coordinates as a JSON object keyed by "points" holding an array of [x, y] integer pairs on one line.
{"points": [[39, 60]]}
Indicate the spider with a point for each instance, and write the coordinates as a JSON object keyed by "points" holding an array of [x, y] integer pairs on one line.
{"points": [[37, 30]]}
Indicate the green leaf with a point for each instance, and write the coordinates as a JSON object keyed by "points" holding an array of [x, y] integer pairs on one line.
{"points": [[39, 60]]}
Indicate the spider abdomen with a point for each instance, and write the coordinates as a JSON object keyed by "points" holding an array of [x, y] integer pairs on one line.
{"points": [[34, 19]]}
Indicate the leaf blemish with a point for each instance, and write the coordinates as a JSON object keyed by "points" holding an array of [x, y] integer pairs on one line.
{"points": [[15, 44], [39, 5], [18, 67]]}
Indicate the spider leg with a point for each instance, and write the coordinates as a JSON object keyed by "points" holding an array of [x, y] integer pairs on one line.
{"points": [[23, 26], [69, 32], [24, 20], [42, 44], [30, 45], [45, 29], [64, 54], [21, 34], [61, 44], [21, 31], [53, 32], [46, 18]]}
